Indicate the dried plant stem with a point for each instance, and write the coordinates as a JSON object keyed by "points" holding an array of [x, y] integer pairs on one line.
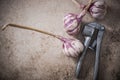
{"points": [[87, 7], [30, 28], [84, 11]]}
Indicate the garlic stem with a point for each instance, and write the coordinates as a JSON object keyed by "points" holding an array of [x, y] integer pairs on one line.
{"points": [[31, 28], [84, 11], [89, 3]]}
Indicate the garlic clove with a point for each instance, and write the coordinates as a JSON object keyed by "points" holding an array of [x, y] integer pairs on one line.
{"points": [[78, 45], [74, 31], [72, 25], [69, 15], [98, 15], [96, 10], [65, 51], [69, 19], [72, 52], [99, 4]]}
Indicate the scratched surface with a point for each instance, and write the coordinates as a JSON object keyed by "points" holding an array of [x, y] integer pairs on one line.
{"points": [[29, 55]]}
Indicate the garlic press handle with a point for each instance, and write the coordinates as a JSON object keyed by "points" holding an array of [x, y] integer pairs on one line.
{"points": [[87, 33]]}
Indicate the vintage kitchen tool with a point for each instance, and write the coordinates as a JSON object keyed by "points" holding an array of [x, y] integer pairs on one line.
{"points": [[93, 33]]}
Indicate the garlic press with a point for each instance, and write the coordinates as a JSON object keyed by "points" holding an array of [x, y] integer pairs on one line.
{"points": [[93, 33]]}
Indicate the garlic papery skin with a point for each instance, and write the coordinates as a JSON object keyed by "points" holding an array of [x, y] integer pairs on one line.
{"points": [[98, 10], [72, 47], [71, 24]]}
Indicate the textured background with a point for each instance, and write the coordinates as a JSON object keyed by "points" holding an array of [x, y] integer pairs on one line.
{"points": [[28, 55]]}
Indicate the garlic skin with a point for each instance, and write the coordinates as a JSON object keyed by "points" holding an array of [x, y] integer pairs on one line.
{"points": [[98, 10], [71, 24], [72, 47]]}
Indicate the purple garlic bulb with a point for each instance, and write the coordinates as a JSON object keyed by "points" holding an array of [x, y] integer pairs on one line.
{"points": [[98, 9], [72, 47], [71, 24]]}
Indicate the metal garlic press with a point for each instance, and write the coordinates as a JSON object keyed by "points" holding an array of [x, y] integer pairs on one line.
{"points": [[93, 33]]}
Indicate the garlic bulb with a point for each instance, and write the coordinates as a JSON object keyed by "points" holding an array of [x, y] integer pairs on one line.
{"points": [[71, 23], [72, 47], [98, 9]]}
